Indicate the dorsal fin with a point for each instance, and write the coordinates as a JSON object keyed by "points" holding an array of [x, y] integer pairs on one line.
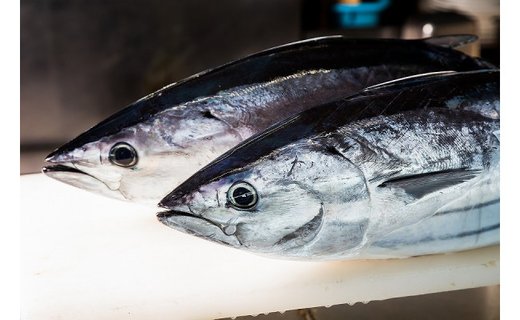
{"points": [[420, 76], [451, 41]]}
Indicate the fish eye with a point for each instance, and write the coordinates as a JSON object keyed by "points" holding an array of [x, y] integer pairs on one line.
{"points": [[242, 195], [123, 155]]}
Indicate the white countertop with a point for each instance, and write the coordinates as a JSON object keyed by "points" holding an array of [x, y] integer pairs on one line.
{"points": [[89, 257]]}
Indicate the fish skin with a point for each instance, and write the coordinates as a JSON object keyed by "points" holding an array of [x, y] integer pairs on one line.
{"points": [[182, 127], [334, 182]]}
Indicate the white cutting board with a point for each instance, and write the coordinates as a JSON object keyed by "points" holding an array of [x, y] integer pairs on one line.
{"points": [[89, 257]]}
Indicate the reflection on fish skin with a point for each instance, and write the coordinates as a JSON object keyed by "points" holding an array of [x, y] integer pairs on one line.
{"points": [[404, 169], [170, 134], [469, 221]]}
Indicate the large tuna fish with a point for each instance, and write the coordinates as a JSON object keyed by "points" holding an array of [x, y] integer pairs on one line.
{"points": [[400, 169], [147, 149]]}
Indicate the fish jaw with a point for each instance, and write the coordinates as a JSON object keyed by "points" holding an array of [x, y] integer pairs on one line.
{"points": [[183, 214], [69, 174], [199, 227], [82, 168]]}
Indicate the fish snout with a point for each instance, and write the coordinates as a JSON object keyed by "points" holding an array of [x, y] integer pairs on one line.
{"points": [[87, 156], [175, 201], [57, 157]]}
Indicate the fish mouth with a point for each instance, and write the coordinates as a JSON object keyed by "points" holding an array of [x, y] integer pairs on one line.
{"points": [[200, 227], [49, 170], [69, 174]]}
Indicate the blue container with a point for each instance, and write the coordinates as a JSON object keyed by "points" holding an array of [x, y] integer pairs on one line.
{"points": [[362, 15]]}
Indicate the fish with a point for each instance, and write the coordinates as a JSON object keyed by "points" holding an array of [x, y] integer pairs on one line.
{"points": [[142, 152], [404, 168]]}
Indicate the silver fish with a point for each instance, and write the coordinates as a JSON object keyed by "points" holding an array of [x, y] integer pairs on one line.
{"points": [[401, 169], [144, 151]]}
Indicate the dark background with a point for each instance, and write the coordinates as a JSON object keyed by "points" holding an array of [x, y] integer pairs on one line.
{"points": [[82, 60]]}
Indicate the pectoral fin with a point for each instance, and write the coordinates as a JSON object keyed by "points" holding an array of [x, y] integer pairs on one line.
{"points": [[423, 184]]}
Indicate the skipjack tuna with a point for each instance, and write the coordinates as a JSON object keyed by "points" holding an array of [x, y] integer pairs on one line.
{"points": [[144, 151], [401, 169]]}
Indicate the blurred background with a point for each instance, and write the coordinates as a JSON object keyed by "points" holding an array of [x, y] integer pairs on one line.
{"points": [[82, 60]]}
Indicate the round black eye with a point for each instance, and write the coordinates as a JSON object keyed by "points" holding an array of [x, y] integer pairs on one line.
{"points": [[123, 155], [242, 195]]}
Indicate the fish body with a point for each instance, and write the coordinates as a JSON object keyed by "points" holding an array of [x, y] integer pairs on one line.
{"points": [[144, 151], [401, 169]]}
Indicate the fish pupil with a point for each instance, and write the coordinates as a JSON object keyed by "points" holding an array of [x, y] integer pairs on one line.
{"points": [[243, 197], [122, 154]]}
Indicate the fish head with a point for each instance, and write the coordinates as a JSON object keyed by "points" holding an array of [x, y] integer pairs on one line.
{"points": [[104, 166], [144, 161], [277, 205]]}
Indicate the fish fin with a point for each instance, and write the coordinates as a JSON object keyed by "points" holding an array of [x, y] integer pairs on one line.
{"points": [[420, 76], [420, 185], [452, 41]]}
